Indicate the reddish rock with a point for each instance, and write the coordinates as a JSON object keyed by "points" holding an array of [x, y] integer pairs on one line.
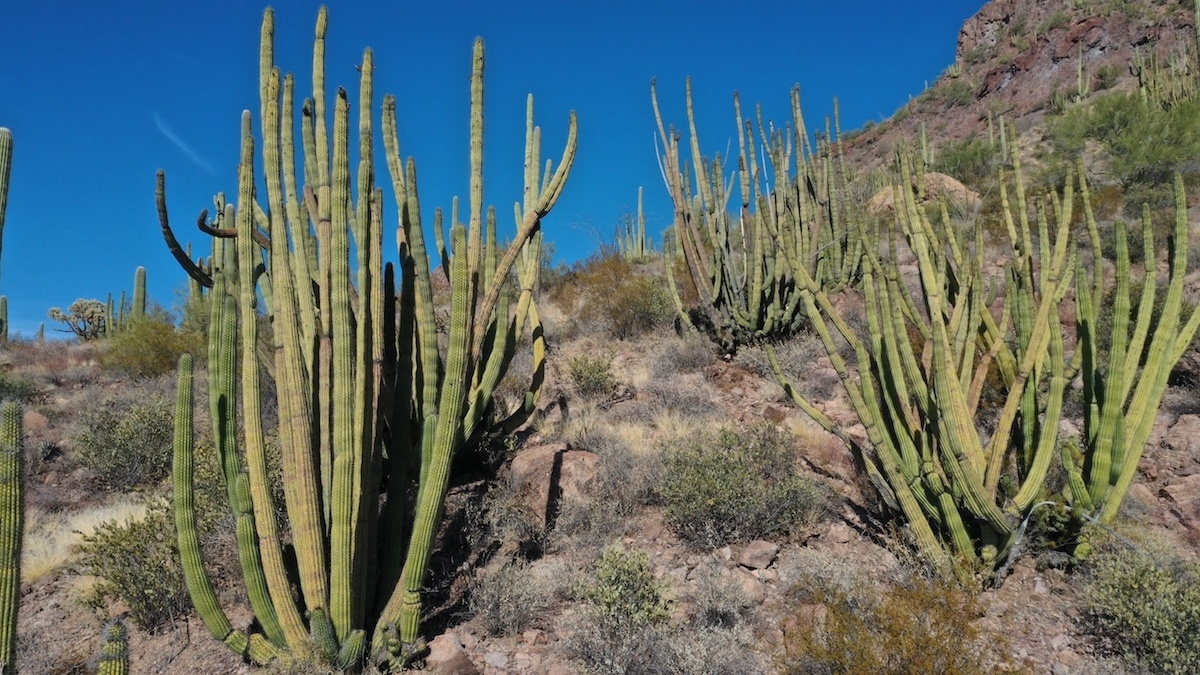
{"points": [[545, 475], [759, 554], [447, 657]]}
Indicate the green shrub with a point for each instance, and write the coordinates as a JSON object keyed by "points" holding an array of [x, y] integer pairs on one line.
{"points": [[148, 347], [920, 626], [128, 445], [1145, 606], [624, 592], [592, 376], [737, 486], [13, 388], [138, 563], [971, 160], [614, 296]]}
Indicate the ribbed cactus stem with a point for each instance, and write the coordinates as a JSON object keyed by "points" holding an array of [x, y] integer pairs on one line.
{"points": [[114, 650], [3, 319], [12, 521], [138, 309]]}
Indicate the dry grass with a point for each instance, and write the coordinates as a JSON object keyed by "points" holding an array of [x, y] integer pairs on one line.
{"points": [[52, 537]]}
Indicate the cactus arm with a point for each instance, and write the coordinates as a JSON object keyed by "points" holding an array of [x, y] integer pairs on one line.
{"points": [[185, 261], [12, 519], [6, 155]]}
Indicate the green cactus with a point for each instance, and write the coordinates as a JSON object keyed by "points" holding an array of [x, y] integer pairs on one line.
{"points": [[12, 519], [6, 153], [370, 404], [631, 241], [929, 351], [138, 309], [114, 651], [3, 319], [742, 263]]}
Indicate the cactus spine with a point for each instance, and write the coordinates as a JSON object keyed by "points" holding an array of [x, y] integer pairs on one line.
{"points": [[12, 517], [114, 651], [743, 263], [370, 404]]}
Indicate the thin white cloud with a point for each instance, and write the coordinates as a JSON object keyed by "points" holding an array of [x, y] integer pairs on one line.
{"points": [[180, 143]]}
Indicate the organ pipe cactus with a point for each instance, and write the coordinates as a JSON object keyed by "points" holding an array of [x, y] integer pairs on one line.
{"points": [[371, 407], [742, 263], [6, 154], [930, 350], [12, 518], [632, 242], [3, 319]]}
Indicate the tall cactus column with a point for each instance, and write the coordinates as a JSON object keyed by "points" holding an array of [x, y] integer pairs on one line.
{"points": [[12, 517]]}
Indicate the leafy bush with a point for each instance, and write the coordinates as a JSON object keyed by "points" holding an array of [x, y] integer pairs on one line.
{"points": [[920, 626], [738, 486], [148, 347], [610, 293], [13, 388], [128, 445], [1146, 607], [592, 376], [138, 563], [971, 160], [508, 600], [624, 591]]}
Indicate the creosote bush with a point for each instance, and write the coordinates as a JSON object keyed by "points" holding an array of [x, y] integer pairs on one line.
{"points": [[738, 485], [148, 347], [592, 376], [623, 591], [916, 627], [137, 562], [1145, 607], [507, 600], [127, 444]]}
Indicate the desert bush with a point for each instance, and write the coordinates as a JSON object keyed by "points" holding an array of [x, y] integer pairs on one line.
{"points": [[127, 444], [608, 294], [1145, 607], [971, 160], [137, 562], [85, 318], [623, 591], [682, 355], [149, 347], [508, 600], [736, 486], [919, 626], [720, 603], [16, 388], [592, 376]]}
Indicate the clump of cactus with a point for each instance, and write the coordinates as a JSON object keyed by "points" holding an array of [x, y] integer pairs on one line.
{"points": [[371, 407], [964, 492], [114, 650], [12, 520], [632, 242], [741, 259]]}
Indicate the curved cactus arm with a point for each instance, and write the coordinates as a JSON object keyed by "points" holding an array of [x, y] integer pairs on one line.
{"points": [[12, 520], [6, 155], [181, 256], [200, 587]]}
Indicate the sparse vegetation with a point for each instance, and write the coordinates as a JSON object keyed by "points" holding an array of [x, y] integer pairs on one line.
{"points": [[736, 486], [592, 376], [127, 444], [148, 347]]}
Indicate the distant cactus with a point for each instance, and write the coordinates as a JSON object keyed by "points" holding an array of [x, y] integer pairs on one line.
{"points": [[12, 520], [632, 243], [3, 320]]}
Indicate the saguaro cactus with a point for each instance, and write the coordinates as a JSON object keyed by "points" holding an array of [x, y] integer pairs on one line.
{"points": [[12, 521], [371, 407], [3, 319], [742, 263]]}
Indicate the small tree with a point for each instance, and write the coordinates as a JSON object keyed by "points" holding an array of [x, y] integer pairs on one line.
{"points": [[84, 318]]}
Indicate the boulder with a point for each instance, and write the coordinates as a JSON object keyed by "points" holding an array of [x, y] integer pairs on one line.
{"points": [[759, 554], [447, 657], [545, 475]]}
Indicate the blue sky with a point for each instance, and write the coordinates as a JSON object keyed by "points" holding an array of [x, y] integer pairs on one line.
{"points": [[101, 95]]}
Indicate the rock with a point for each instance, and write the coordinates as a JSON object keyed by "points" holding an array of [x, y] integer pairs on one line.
{"points": [[725, 554], [496, 659], [34, 422], [543, 476], [754, 590], [447, 656], [840, 533], [1184, 435], [759, 554], [534, 636], [1185, 499], [937, 185], [1058, 642], [1040, 587]]}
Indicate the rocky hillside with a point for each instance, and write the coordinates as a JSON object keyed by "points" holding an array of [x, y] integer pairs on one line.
{"points": [[1015, 57]]}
